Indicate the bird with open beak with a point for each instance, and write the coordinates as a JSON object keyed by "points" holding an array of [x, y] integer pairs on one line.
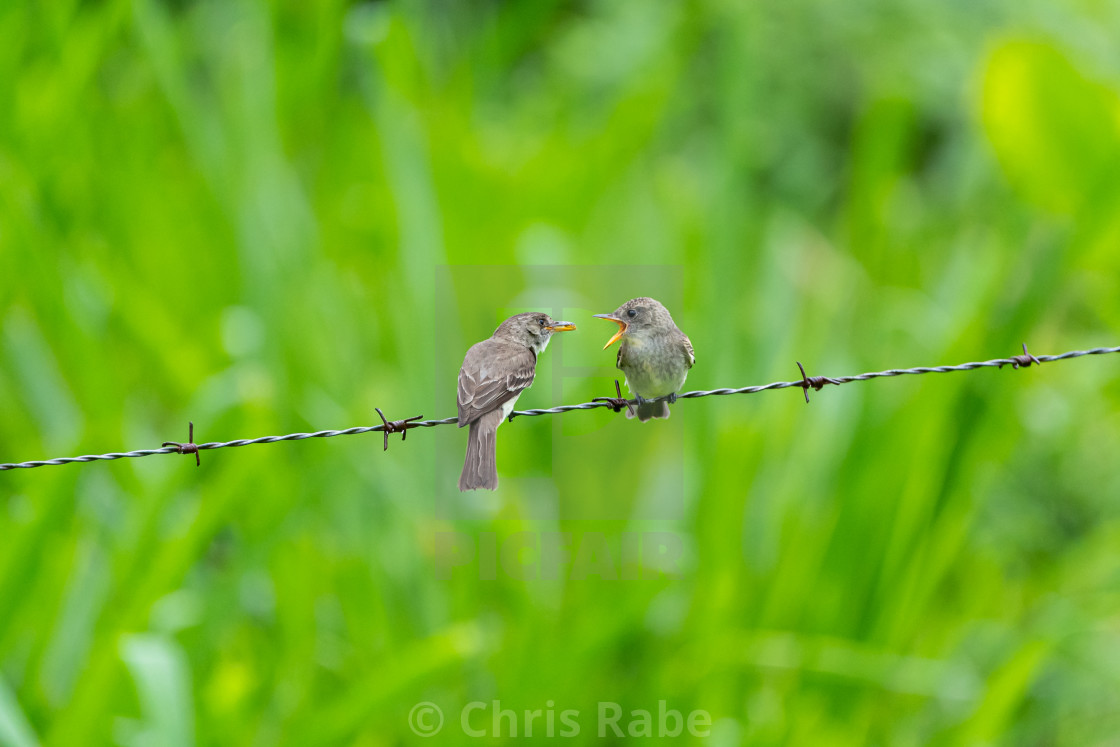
{"points": [[494, 373], [654, 355]]}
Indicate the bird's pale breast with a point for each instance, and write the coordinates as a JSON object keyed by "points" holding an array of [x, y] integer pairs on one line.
{"points": [[653, 373]]}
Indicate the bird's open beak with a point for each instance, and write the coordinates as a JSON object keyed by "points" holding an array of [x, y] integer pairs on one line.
{"points": [[561, 327], [621, 327]]}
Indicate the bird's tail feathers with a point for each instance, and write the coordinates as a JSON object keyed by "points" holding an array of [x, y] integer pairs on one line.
{"points": [[649, 410], [480, 468]]}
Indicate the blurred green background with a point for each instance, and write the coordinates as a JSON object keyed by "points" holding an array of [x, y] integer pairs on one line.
{"points": [[256, 216]]}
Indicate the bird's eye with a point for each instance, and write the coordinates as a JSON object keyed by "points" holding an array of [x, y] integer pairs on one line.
{"points": [[541, 321], [632, 313]]}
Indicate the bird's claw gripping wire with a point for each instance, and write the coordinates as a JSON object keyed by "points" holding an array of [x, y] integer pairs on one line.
{"points": [[618, 402], [190, 447], [396, 426], [1024, 360]]}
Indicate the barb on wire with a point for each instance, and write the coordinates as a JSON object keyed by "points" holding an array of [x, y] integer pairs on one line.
{"points": [[396, 426], [613, 403], [617, 402], [1024, 360], [190, 447], [816, 382]]}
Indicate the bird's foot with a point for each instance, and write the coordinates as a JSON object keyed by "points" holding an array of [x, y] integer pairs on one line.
{"points": [[672, 398], [618, 402]]}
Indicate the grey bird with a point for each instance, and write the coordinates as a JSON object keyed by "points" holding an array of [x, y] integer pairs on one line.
{"points": [[654, 355], [494, 373]]}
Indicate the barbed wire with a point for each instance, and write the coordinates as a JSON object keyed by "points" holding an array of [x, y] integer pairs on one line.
{"points": [[613, 403]]}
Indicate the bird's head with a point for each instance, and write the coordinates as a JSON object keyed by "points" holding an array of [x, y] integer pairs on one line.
{"points": [[533, 329], [636, 318]]}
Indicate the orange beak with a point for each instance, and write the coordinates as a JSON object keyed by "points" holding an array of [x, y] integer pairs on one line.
{"points": [[621, 328], [561, 327]]}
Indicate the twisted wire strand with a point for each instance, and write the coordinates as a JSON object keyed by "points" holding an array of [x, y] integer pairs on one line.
{"points": [[402, 427]]}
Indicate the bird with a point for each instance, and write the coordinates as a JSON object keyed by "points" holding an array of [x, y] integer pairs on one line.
{"points": [[654, 355], [494, 374]]}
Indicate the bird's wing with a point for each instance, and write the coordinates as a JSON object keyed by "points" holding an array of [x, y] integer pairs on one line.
{"points": [[688, 354], [493, 372]]}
